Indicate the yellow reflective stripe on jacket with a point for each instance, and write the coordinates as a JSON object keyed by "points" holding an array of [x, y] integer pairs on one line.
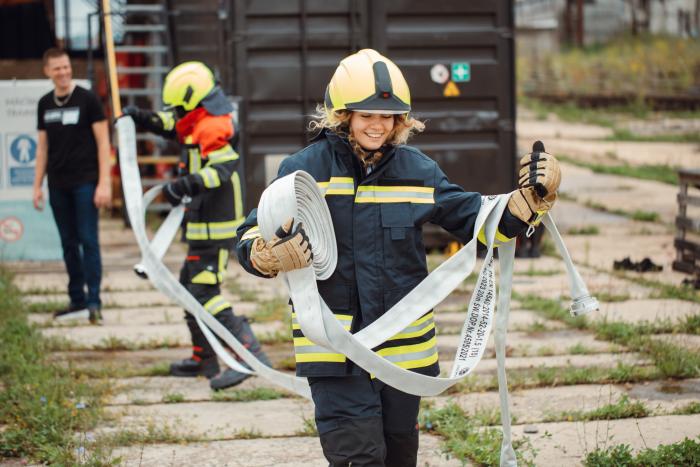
{"points": [[216, 304], [417, 328], [210, 177], [223, 263], [253, 232], [222, 230], [197, 231], [338, 186], [213, 230], [237, 196], [412, 356], [224, 154], [168, 120], [395, 194], [306, 351]]}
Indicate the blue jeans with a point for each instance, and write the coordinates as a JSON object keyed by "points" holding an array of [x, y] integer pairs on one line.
{"points": [[76, 218]]}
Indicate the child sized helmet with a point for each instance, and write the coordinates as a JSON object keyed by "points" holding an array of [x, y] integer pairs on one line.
{"points": [[187, 85], [368, 82]]}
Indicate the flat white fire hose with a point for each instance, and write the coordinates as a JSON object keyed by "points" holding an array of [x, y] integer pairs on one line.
{"points": [[164, 280], [297, 195]]}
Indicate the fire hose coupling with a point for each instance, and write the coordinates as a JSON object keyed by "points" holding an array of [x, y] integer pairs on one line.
{"points": [[583, 305]]}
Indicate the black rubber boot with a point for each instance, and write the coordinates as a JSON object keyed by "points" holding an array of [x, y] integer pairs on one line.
{"points": [[241, 330], [203, 361], [191, 367], [401, 449]]}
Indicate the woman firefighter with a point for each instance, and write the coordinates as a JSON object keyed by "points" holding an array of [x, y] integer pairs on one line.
{"points": [[199, 117], [379, 192]]}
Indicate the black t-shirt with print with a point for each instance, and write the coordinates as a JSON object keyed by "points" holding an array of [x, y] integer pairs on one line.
{"points": [[72, 157]]}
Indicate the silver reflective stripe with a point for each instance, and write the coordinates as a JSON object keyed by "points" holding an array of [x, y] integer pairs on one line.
{"points": [[216, 304], [405, 357], [394, 194], [415, 331]]}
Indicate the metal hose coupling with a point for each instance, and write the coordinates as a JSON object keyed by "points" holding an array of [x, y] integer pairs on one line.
{"points": [[583, 305]]}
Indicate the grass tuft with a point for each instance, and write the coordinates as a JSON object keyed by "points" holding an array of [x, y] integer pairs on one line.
{"points": [[45, 412], [469, 438], [686, 452], [623, 408], [247, 395]]}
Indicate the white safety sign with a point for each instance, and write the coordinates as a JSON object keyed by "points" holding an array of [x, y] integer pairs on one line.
{"points": [[25, 234], [439, 73]]}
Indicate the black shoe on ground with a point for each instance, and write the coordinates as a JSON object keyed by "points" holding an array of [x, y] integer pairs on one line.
{"points": [[94, 314], [228, 379], [71, 313], [647, 265], [624, 265], [189, 367]]}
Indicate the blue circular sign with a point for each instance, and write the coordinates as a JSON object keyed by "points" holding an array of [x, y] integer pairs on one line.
{"points": [[23, 149]]}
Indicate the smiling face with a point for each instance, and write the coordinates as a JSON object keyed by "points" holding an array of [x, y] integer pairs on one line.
{"points": [[371, 130], [58, 69]]}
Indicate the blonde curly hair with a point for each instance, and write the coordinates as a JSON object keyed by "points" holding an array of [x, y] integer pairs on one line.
{"points": [[338, 121]]}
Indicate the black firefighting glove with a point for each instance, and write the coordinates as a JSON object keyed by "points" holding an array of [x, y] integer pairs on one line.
{"points": [[146, 119], [176, 189]]}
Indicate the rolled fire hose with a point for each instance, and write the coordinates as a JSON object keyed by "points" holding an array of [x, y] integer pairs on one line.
{"points": [[297, 195]]}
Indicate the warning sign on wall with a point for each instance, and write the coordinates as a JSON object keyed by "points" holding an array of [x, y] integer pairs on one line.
{"points": [[451, 90]]}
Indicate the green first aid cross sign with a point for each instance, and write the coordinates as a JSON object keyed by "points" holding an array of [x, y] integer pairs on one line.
{"points": [[461, 72]]}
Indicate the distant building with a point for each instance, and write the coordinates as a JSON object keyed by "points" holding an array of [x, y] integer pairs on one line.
{"points": [[542, 25]]}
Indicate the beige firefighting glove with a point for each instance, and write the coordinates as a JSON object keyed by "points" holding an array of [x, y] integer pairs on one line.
{"points": [[539, 181], [286, 251]]}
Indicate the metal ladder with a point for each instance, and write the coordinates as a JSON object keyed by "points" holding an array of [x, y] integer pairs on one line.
{"points": [[150, 20]]}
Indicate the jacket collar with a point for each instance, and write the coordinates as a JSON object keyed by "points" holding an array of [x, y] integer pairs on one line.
{"points": [[341, 146]]}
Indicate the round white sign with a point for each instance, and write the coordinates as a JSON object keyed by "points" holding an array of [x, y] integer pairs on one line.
{"points": [[439, 73]]}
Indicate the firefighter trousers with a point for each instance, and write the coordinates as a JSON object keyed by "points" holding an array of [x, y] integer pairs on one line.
{"points": [[202, 275], [364, 422]]}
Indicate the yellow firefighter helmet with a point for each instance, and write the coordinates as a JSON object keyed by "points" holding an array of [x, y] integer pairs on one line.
{"points": [[187, 85], [369, 82]]}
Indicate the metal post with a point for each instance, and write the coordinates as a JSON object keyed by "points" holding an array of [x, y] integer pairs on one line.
{"points": [[90, 57], [579, 23], [303, 65]]}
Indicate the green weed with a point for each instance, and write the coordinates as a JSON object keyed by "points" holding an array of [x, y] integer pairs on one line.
{"points": [[247, 395], [308, 429], [689, 409], [623, 134], [610, 297], [585, 230], [173, 398], [246, 295], [580, 349], [45, 412], [686, 452], [623, 408], [469, 438], [275, 309], [550, 309], [151, 435], [654, 172]]}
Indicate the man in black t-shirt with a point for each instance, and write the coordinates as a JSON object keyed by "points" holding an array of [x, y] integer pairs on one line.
{"points": [[73, 151]]}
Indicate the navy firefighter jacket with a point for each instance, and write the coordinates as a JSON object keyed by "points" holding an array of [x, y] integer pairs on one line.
{"points": [[378, 221]]}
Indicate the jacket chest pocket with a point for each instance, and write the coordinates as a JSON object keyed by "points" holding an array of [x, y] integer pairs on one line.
{"points": [[397, 219], [398, 232]]}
